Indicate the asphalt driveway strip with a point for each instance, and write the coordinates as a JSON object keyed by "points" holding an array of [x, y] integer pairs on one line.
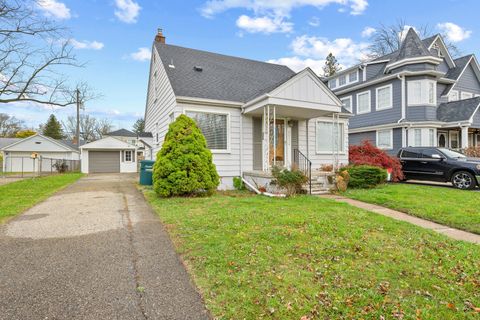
{"points": [[95, 250]]}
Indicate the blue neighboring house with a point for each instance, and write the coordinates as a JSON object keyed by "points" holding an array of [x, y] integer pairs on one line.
{"points": [[416, 96]]}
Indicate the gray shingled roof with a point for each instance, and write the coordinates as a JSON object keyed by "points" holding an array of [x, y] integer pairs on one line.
{"points": [[145, 135], [411, 47], [8, 141], [460, 63], [428, 41], [461, 110], [222, 77], [122, 133]]}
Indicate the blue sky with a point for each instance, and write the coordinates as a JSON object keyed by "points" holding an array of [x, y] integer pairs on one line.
{"points": [[114, 37]]}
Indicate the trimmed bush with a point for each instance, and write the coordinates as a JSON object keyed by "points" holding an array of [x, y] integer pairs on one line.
{"points": [[184, 164], [364, 176], [368, 154], [290, 180]]}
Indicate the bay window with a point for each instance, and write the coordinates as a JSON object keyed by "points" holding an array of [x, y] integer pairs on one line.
{"points": [[214, 127], [363, 102], [327, 133], [384, 97], [417, 134], [422, 92]]}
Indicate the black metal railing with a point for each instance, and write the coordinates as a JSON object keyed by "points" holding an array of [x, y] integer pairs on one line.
{"points": [[302, 163]]}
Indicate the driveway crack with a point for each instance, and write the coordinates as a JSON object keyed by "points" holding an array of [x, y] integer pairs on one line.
{"points": [[136, 275]]}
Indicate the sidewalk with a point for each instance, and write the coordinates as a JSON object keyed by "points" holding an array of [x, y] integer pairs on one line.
{"points": [[397, 215]]}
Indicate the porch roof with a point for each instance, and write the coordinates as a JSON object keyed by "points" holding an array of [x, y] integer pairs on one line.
{"points": [[461, 110], [303, 96]]}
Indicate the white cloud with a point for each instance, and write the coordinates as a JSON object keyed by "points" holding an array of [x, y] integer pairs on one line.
{"points": [[314, 22], [368, 31], [94, 45], [142, 54], [309, 51], [127, 10], [453, 32], [264, 24], [274, 14], [54, 8]]}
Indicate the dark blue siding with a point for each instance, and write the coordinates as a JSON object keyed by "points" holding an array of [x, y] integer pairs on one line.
{"points": [[356, 139], [468, 81], [373, 70]]}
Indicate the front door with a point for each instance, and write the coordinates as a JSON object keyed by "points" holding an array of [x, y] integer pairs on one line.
{"points": [[442, 140], [278, 143]]}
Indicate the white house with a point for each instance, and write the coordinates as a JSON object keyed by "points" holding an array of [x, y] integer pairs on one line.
{"points": [[254, 114], [108, 155], [37, 153]]}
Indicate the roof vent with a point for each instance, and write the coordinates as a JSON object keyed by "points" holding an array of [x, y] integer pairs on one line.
{"points": [[198, 68], [171, 65]]}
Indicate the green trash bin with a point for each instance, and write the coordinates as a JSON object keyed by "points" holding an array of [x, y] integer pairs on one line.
{"points": [[146, 170]]}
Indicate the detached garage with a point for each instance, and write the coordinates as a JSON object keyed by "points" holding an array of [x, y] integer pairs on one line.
{"points": [[108, 155]]}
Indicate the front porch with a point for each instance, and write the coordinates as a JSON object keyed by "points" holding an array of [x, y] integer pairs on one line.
{"points": [[458, 138]]}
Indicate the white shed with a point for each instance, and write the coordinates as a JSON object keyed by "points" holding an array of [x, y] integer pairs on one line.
{"points": [[108, 155], [18, 155]]}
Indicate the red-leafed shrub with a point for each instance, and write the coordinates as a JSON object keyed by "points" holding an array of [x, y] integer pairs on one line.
{"points": [[367, 153]]}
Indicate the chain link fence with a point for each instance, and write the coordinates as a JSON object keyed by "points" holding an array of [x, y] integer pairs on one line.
{"points": [[15, 167]]}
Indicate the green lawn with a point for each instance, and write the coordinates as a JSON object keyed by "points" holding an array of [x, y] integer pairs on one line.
{"points": [[18, 196], [254, 257], [456, 208]]}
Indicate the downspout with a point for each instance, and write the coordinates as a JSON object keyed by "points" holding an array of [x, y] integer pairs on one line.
{"points": [[404, 113], [241, 144]]}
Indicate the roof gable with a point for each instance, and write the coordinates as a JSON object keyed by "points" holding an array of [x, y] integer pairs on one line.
{"points": [[122, 133], [438, 41], [107, 143], [306, 86], [38, 143], [222, 77]]}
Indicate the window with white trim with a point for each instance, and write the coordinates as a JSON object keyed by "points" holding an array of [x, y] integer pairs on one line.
{"points": [[417, 136], [332, 83], [353, 76], [347, 103], [431, 137], [214, 127], [453, 95], [363, 102], [342, 80], [385, 139], [326, 134], [422, 92], [384, 97], [128, 155], [466, 95]]}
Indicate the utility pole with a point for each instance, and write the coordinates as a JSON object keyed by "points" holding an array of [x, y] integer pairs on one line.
{"points": [[78, 118]]}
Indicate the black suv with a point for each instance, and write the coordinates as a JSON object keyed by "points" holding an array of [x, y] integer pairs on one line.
{"points": [[440, 164]]}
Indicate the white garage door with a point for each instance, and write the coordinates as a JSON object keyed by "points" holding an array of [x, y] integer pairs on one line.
{"points": [[104, 161]]}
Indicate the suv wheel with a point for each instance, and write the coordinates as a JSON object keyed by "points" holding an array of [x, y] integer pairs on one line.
{"points": [[463, 180]]}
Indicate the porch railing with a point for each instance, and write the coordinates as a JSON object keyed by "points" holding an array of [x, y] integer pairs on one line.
{"points": [[302, 163]]}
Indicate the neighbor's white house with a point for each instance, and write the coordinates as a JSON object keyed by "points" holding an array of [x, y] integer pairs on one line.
{"points": [[254, 114], [24, 155]]}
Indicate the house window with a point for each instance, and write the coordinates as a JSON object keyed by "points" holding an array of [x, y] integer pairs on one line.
{"points": [[454, 139], [327, 133], [128, 155], [347, 103], [417, 136], [421, 92], [453, 95], [342, 80], [214, 127], [384, 97], [431, 137], [172, 117], [385, 139], [353, 76], [332, 83], [363, 102], [466, 95]]}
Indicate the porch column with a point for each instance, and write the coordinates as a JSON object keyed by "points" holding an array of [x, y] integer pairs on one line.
{"points": [[464, 137]]}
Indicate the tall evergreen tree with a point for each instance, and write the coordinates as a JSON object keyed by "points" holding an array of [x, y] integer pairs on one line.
{"points": [[331, 65], [139, 126], [53, 128]]}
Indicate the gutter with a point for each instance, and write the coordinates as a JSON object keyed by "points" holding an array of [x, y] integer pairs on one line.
{"points": [[404, 113]]}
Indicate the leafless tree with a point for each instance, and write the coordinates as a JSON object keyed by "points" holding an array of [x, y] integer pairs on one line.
{"points": [[33, 51], [91, 129], [388, 38], [9, 126]]}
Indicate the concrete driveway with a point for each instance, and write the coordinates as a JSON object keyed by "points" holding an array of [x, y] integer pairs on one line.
{"points": [[93, 251]]}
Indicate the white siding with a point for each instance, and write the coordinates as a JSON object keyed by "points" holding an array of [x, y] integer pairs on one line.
{"points": [[158, 111], [319, 159]]}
